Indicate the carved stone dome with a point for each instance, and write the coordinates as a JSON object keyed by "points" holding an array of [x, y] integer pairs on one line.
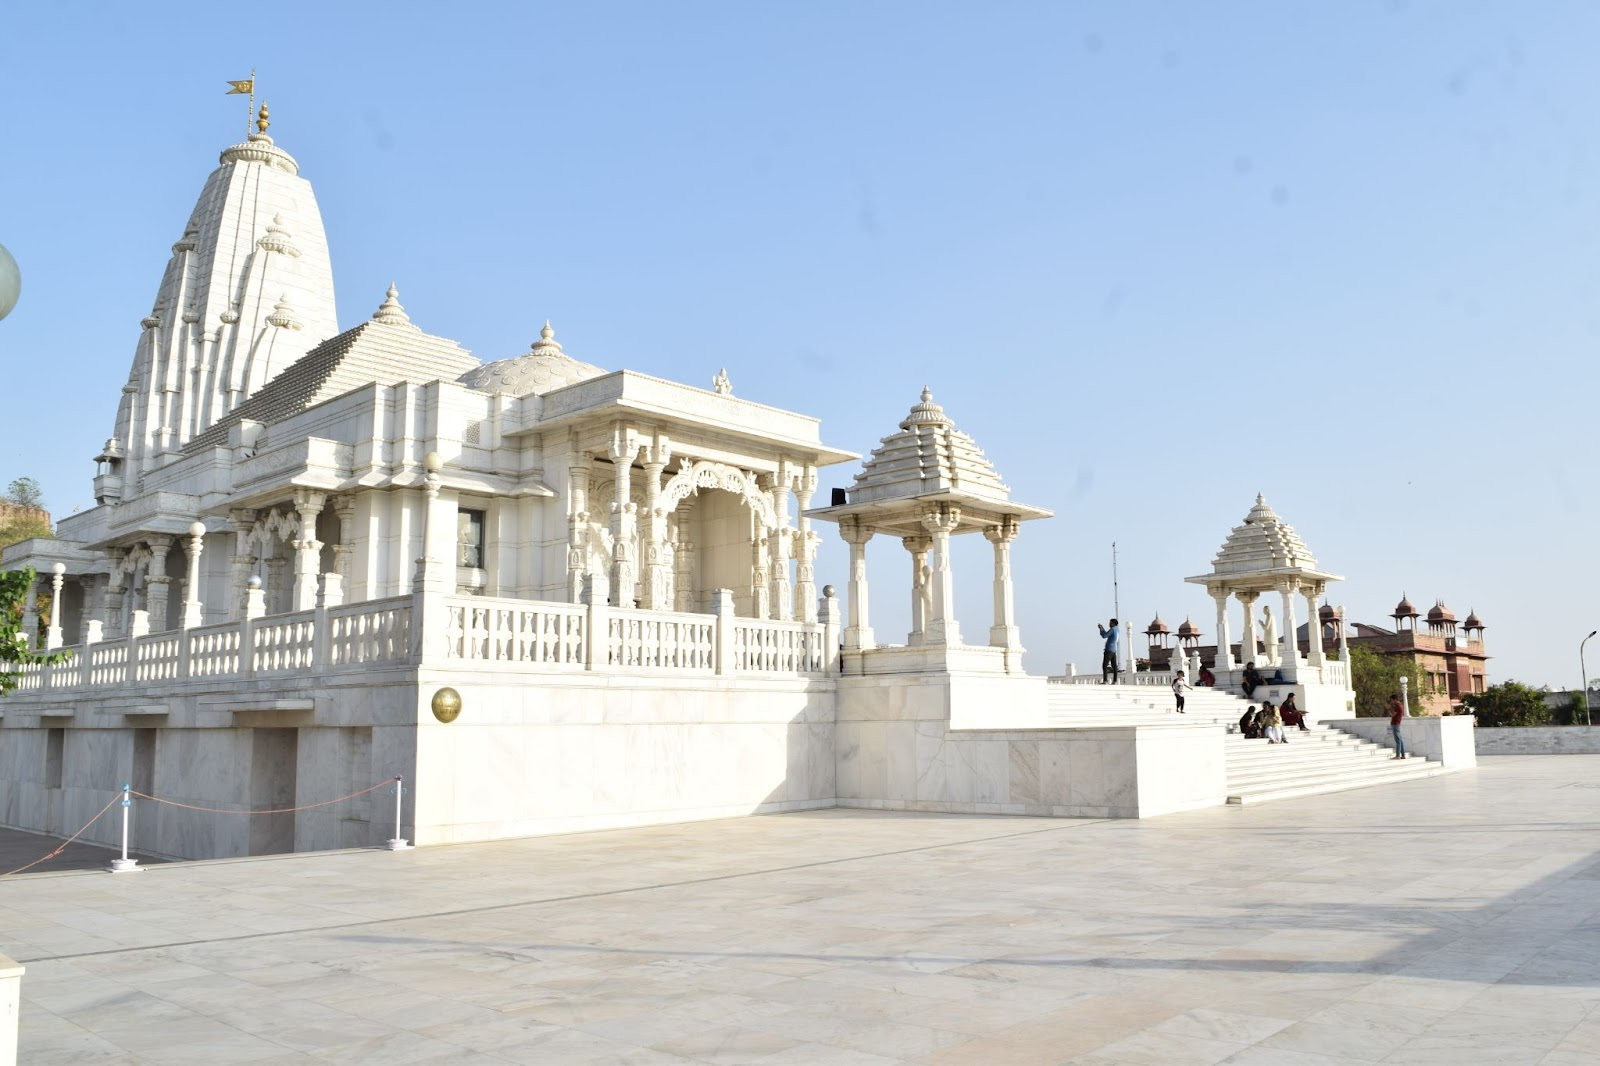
{"points": [[1473, 621], [1188, 629], [1328, 613], [1157, 627], [543, 368], [1404, 609], [1440, 613]]}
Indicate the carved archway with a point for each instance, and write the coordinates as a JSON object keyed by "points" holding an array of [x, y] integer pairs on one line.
{"points": [[702, 474]]}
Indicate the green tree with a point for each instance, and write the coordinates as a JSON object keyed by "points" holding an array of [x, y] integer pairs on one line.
{"points": [[26, 517], [1509, 704], [1376, 676], [14, 650], [25, 492]]}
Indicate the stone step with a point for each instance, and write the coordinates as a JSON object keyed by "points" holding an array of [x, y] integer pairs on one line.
{"points": [[1382, 765], [1289, 790]]}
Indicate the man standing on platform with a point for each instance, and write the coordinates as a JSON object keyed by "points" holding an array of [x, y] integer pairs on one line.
{"points": [[1397, 712], [1108, 661]]}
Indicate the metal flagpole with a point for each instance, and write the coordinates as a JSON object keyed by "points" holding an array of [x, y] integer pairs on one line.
{"points": [[1116, 604]]}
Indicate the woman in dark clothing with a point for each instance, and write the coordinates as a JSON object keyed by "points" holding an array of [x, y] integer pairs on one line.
{"points": [[1247, 724], [1292, 715]]}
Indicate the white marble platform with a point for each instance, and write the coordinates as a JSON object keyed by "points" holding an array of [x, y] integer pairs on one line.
{"points": [[1448, 920]]}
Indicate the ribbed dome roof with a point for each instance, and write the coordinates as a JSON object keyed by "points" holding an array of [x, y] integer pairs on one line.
{"points": [[1440, 613], [1188, 629], [1262, 542], [1404, 609], [1157, 626], [1473, 621], [928, 456], [1329, 613], [543, 368]]}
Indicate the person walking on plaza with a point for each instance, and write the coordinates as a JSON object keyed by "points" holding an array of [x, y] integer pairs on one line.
{"points": [[1108, 661], [1397, 713], [1180, 685]]}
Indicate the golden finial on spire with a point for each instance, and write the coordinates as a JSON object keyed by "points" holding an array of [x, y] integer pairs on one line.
{"points": [[261, 120]]}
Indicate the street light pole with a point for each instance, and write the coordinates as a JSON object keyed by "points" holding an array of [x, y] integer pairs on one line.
{"points": [[1585, 670]]}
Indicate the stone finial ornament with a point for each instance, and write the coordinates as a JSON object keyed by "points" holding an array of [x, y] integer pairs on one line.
{"points": [[283, 314], [391, 312], [261, 121], [547, 340]]}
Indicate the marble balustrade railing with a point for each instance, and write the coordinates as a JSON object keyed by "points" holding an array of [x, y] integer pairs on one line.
{"points": [[356, 634], [597, 637], [1153, 678]]}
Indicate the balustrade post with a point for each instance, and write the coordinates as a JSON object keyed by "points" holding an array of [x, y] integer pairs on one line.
{"points": [[597, 649], [94, 632], [255, 605], [722, 607], [138, 629], [829, 614]]}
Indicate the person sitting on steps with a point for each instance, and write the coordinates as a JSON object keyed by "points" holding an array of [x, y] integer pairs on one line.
{"points": [[1247, 724], [1293, 716], [1252, 679], [1274, 724]]}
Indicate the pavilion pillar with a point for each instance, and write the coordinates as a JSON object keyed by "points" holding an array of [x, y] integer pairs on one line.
{"points": [[156, 582], [94, 603], [780, 543], [193, 609], [1314, 656], [683, 560], [345, 508], [1004, 633], [624, 519], [1224, 641], [577, 527], [760, 589], [858, 634], [918, 547], [1344, 645], [1247, 649], [805, 547], [1291, 646], [116, 593], [657, 454], [243, 561], [53, 636], [943, 628], [307, 549]]}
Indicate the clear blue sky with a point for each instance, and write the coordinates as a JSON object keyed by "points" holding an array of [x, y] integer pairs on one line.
{"points": [[1154, 257]]}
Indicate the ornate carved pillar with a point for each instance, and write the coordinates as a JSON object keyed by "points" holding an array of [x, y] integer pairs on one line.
{"points": [[1224, 638], [1314, 656], [156, 582], [345, 508], [1004, 633], [805, 547], [193, 544], [1344, 647], [942, 626], [577, 527], [116, 592], [760, 590], [94, 594], [243, 562], [1247, 646], [1291, 646], [658, 453], [918, 547], [624, 519], [53, 635], [683, 559], [779, 543], [858, 634], [30, 613], [308, 549]]}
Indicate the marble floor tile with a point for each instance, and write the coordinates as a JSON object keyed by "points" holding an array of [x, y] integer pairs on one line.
{"points": [[1462, 926]]}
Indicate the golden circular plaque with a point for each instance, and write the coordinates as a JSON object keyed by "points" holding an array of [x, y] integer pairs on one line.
{"points": [[447, 705]]}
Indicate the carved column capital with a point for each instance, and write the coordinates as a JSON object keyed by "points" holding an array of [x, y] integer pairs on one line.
{"points": [[943, 519]]}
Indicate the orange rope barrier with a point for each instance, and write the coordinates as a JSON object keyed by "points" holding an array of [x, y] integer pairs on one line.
{"points": [[274, 810], [115, 800]]}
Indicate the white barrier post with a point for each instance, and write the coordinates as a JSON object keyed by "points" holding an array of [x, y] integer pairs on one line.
{"points": [[125, 865], [397, 843]]}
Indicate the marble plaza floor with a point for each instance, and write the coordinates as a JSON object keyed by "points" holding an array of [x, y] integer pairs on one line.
{"points": [[1449, 920]]}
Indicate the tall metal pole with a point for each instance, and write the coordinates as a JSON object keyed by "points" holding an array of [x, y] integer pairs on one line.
{"points": [[1116, 607], [1585, 669]]}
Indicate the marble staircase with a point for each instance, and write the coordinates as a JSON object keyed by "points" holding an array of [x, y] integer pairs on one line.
{"points": [[1314, 762]]}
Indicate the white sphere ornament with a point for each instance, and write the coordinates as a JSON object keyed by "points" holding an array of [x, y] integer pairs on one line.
{"points": [[10, 282]]}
